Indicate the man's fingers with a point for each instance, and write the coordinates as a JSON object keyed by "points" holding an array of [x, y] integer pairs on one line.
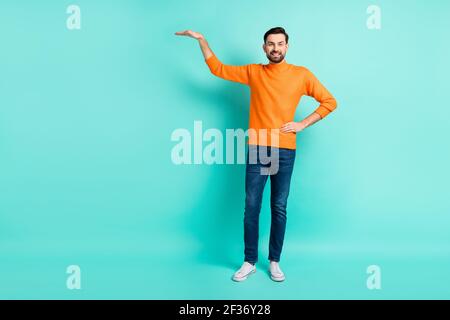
{"points": [[287, 128]]}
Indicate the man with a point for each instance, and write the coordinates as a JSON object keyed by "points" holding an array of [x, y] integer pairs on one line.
{"points": [[276, 89]]}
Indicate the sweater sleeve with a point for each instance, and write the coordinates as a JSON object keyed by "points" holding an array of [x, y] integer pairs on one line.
{"points": [[239, 74], [316, 90]]}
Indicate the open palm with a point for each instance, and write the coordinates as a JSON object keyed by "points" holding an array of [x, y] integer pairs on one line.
{"points": [[189, 33]]}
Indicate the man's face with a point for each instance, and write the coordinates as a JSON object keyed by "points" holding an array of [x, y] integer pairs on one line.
{"points": [[275, 47]]}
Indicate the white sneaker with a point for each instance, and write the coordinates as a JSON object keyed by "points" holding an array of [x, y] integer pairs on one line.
{"points": [[243, 273], [275, 272]]}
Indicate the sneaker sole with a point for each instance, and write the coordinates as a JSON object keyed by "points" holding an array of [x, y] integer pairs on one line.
{"points": [[243, 278]]}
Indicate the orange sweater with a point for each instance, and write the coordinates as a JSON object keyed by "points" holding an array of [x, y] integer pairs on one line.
{"points": [[276, 90]]}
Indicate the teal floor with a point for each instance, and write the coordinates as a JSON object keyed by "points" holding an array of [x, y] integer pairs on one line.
{"points": [[182, 272]]}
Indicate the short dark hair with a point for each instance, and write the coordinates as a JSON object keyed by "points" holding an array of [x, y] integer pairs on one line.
{"points": [[276, 30]]}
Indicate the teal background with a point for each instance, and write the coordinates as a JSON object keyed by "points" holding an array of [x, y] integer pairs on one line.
{"points": [[86, 176]]}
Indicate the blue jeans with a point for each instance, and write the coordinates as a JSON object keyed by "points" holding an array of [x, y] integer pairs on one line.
{"points": [[255, 180]]}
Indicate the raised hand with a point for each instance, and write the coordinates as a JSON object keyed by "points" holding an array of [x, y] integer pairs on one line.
{"points": [[207, 53], [190, 33]]}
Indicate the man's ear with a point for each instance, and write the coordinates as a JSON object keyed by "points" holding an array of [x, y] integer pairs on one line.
{"points": [[264, 47]]}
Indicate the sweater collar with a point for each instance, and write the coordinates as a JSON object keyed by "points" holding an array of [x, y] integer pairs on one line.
{"points": [[278, 66]]}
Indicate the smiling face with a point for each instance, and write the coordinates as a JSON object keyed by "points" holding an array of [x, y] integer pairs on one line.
{"points": [[275, 47]]}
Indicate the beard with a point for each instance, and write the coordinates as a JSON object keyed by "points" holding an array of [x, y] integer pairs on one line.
{"points": [[275, 58]]}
